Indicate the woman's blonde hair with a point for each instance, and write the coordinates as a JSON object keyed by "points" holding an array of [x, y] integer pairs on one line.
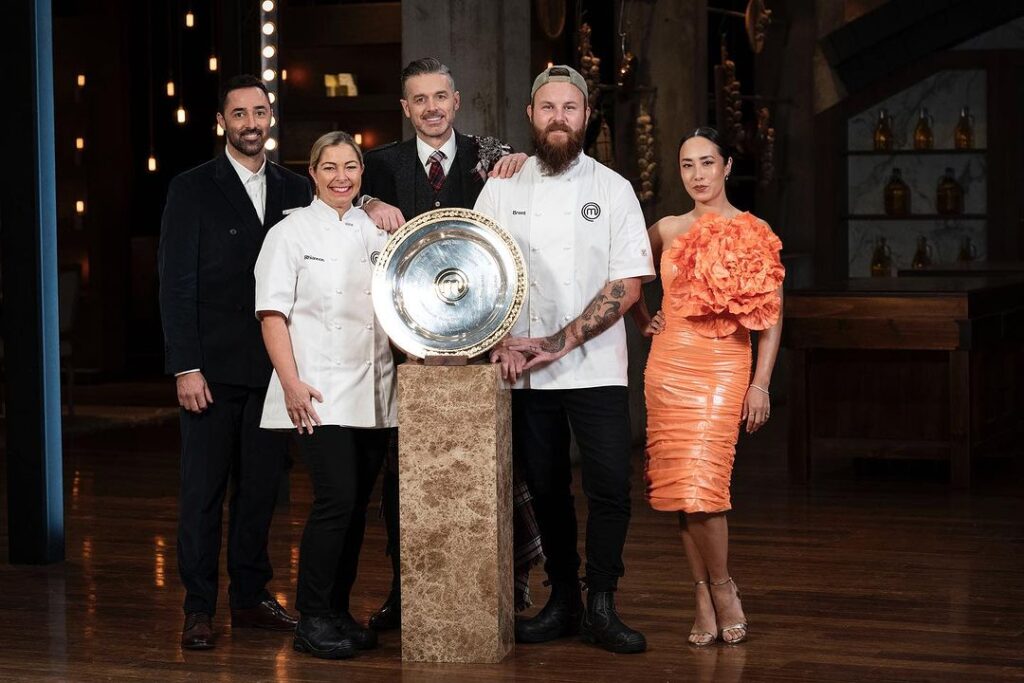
{"points": [[337, 137]]}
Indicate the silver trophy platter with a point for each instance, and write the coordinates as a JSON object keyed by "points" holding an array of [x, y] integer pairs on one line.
{"points": [[450, 282]]}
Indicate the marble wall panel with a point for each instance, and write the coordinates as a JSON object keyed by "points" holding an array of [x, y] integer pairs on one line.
{"points": [[868, 176], [945, 237]]}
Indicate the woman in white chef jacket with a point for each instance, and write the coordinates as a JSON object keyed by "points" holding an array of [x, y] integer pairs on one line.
{"points": [[333, 381]]}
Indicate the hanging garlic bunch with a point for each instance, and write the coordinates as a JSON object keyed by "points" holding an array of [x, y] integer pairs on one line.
{"points": [[590, 68], [645, 154]]}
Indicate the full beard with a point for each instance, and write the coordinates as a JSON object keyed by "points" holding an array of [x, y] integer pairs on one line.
{"points": [[554, 158]]}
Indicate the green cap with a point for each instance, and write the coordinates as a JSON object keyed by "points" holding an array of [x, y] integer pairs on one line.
{"points": [[560, 73]]}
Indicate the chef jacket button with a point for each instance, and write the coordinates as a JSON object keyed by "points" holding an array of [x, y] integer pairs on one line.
{"points": [[566, 317], [337, 291], [436, 204], [538, 213], [362, 260], [348, 224], [334, 258], [233, 231], [366, 291], [534, 248], [534, 318], [369, 362], [369, 327], [566, 282], [337, 362], [337, 326]]}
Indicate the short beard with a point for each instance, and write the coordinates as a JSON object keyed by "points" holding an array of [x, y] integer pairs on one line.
{"points": [[554, 158], [249, 149]]}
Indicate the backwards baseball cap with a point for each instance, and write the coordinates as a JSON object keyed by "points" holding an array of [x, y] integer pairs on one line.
{"points": [[560, 73]]}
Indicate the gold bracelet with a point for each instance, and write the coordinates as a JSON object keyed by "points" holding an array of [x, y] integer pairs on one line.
{"points": [[761, 389]]}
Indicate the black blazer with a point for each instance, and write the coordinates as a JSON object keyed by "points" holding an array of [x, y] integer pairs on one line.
{"points": [[210, 237], [391, 174]]}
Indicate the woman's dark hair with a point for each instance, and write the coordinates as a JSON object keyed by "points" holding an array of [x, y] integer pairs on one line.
{"points": [[708, 133]]}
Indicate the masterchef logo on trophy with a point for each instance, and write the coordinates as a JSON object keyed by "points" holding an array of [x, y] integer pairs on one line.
{"points": [[450, 283]]}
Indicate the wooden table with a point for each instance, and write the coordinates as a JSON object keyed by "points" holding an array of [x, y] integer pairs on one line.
{"points": [[916, 367]]}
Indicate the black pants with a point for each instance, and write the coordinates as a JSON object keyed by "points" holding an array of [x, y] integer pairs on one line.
{"points": [[599, 418], [226, 441], [343, 464], [390, 502]]}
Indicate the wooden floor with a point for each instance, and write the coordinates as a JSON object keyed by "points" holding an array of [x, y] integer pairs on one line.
{"points": [[872, 573]]}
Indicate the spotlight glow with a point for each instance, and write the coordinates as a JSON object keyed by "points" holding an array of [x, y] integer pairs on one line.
{"points": [[268, 28], [170, 88], [268, 75], [271, 144], [268, 5], [190, 19], [151, 164], [80, 80], [272, 96], [181, 115], [269, 51], [79, 143], [213, 63], [358, 137], [80, 207], [220, 131]]}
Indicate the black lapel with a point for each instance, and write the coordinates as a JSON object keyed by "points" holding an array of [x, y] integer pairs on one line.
{"points": [[275, 196], [466, 153], [405, 178], [235, 193]]}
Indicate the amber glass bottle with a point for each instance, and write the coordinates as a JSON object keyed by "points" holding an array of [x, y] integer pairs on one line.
{"points": [[949, 198], [922, 255], [963, 134], [897, 195], [968, 252], [883, 132], [881, 259], [923, 138]]}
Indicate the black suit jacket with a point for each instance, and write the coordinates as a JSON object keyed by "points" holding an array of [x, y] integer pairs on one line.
{"points": [[210, 237], [391, 174]]}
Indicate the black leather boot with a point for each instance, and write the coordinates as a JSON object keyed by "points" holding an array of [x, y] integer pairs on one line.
{"points": [[362, 637], [320, 637], [559, 618], [601, 625], [389, 616]]}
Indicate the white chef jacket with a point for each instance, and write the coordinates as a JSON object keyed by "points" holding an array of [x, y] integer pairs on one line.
{"points": [[316, 269], [578, 231]]}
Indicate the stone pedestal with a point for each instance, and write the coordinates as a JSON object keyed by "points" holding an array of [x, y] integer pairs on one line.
{"points": [[455, 471]]}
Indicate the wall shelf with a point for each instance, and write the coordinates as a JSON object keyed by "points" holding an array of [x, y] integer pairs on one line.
{"points": [[916, 217], [912, 152]]}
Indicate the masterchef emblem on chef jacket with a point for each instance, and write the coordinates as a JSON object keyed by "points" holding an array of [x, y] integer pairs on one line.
{"points": [[591, 211]]}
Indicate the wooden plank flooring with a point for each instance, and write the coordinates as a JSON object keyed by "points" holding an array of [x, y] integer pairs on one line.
{"points": [[874, 572]]}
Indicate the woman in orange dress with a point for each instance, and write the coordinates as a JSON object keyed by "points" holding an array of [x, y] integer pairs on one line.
{"points": [[721, 277]]}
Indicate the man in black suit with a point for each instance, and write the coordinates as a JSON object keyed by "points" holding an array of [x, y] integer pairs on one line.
{"points": [[212, 229], [439, 167]]}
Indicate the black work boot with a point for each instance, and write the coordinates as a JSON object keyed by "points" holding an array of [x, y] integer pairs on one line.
{"points": [[321, 638], [601, 625], [559, 618], [362, 637]]}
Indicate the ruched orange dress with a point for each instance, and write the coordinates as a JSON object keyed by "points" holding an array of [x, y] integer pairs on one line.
{"points": [[720, 280]]}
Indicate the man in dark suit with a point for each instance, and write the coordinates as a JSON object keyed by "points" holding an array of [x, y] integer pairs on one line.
{"points": [[439, 167], [213, 226]]}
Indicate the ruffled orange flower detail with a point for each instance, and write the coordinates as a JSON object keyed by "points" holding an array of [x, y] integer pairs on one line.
{"points": [[728, 275]]}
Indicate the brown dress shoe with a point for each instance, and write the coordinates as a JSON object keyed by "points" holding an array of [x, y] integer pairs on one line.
{"points": [[197, 633], [268, 614]]}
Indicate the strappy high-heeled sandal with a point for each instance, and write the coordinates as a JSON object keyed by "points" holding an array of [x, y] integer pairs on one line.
{"points": [[698, 638], [741, 627]]}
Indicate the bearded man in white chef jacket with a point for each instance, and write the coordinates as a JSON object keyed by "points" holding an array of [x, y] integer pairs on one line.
{"points": [[584, 238]]}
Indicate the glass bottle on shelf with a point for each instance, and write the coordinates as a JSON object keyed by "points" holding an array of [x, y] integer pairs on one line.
{"points": [[923, 138], [968, 252], [881, 259], [883, 132], [922, 255], [963, 134], [949, 198], [897, 195]]}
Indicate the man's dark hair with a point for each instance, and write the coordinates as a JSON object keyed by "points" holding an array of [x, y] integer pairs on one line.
{"points": [[237, 83], [427, 65]]}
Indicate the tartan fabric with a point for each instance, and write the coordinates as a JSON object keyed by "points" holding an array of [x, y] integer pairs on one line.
{"points": [[436, 173]]}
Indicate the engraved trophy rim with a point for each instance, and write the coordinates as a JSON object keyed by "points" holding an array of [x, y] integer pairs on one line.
{"points": [[449, 285]]}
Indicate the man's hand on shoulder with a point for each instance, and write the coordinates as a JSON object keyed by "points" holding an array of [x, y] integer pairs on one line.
{"points": [[384, 216], [193, 392], [508, 165]]}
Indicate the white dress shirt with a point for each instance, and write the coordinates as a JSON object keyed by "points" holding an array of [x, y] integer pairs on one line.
{"points": [[578, 231], [316, 270], [255, 184], [423, 151]]}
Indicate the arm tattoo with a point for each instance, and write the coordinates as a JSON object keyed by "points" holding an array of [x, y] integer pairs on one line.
{"points": [[554, 343], [603, 311]]}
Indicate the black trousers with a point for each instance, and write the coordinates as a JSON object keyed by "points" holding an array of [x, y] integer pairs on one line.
{"points": [[343, 463], [599, 418], [226, 442]]}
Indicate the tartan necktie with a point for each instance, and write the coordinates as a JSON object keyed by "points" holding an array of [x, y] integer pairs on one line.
{"points": [[436, 173]]}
